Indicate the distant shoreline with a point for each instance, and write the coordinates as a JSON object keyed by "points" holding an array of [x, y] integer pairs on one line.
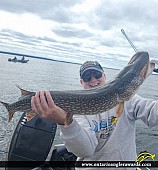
{"points": [[44, 58]]}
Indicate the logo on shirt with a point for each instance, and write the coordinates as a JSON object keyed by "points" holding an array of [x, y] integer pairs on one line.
{"points": [[105, 126]]}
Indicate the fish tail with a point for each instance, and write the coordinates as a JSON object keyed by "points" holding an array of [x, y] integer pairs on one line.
{"points": [[5, 104], [11, 113]]}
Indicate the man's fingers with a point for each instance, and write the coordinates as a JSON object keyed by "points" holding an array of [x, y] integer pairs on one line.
{"points": [[33, 104], [49, 99], [43, 100], [37, 103], [43, 104]]}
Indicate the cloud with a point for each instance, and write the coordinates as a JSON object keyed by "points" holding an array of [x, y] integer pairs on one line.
{"points": [[67, 31], [80, 28], [57, 10]]}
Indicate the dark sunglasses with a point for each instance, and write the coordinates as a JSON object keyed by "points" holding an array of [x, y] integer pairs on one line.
{"points": [[87, 77]]}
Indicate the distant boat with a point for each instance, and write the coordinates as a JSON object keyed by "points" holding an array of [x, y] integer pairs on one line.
{"points": [[17, 60], [154, 73]]}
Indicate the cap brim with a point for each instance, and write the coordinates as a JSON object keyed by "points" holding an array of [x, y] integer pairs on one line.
{"points": [[91, 68]]}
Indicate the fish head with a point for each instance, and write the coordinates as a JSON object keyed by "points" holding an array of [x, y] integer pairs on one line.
{"points": [[133, 75], [139, 64], [141, 68]]}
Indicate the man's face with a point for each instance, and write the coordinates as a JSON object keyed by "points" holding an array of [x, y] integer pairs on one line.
{"points": [[93, 78]]}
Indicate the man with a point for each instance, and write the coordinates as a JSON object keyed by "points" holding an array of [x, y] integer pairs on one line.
{"points": [[102, 136], [23, 58]]}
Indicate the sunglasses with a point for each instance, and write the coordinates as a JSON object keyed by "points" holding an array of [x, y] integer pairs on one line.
{"points": [[87, 77]]}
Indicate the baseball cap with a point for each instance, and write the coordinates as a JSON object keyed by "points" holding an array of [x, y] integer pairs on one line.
{"points": [[90, 65]]}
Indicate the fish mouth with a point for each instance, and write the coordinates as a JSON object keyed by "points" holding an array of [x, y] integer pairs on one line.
{"points": [[147, 70]]}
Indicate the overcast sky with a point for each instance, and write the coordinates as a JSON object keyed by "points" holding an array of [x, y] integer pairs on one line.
{"points": [[79, 30]]}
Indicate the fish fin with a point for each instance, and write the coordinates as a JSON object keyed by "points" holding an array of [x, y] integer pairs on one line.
{"points": [[30, 115], [11, 113], [68, 119], [119, 109], [23, 92]]}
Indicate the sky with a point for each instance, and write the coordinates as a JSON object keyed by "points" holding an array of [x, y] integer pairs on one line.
{"points": [[80, 30]]}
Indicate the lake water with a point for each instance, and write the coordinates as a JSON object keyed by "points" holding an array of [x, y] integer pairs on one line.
{"points": [[49, 75]]}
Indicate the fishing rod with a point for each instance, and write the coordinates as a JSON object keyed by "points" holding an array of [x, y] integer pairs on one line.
{"points": [[130, 42], [135, 49]]}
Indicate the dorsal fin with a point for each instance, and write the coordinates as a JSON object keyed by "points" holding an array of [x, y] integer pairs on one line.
{"points": [[23, 92]]}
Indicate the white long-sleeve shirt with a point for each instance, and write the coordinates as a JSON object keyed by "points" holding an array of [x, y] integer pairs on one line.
{"points": [[103, 137]]}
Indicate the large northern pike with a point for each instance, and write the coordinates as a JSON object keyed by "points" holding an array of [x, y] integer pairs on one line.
{"points": [[96, 100]]}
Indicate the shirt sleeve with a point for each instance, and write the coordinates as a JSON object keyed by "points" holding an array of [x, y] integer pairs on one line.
{"points": [[144, 109], [79, 138]]}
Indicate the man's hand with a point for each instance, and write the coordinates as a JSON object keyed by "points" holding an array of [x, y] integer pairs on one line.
{"points": [[43, 104]]}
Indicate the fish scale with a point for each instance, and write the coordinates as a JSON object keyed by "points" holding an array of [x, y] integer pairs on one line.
{"points": [[95, 100]]}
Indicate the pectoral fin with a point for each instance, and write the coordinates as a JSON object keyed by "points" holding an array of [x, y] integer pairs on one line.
{"points": [[30, 115], [119, 109], [68, 119], [11, 113]]}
